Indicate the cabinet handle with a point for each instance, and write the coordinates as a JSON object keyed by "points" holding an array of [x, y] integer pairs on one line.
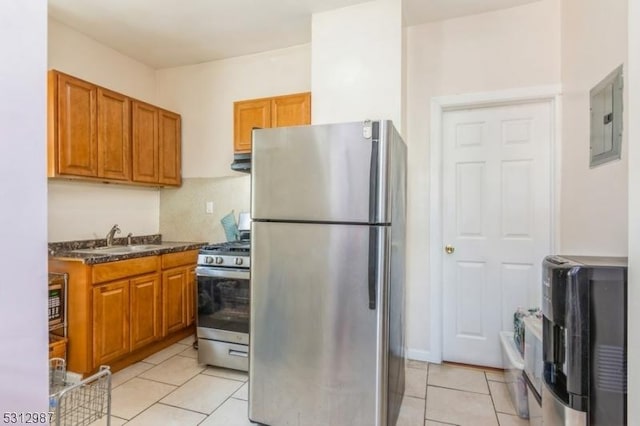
{"points": [[238, 353]]}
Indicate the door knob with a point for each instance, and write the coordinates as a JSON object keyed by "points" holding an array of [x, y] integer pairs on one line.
{"points": [[449, 249]]}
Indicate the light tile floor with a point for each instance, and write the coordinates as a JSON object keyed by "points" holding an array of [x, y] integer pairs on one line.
{"points": [[171, 388]]}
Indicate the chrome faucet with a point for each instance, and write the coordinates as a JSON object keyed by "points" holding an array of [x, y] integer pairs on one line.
{"points": [[129, 237], [114, 230]]}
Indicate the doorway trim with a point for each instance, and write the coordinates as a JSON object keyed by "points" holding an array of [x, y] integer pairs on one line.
{"points": [[439, 105]]}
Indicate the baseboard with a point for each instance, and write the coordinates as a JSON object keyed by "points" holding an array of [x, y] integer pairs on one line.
{"points": [[420, 355]]}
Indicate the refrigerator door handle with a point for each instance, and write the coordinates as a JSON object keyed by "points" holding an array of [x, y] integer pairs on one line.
{"points": [[373, 266], [374, 173]]}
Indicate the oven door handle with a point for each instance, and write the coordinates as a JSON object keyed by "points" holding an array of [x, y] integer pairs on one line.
{"points": [[205, 271]]}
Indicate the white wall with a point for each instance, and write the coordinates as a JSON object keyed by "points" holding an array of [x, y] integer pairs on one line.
{"points": [[76, 54], [88, 210], [633, 136], [511, 48], [594, 201], [204, 95], [23, 191], [357, 63], [80, 210]]}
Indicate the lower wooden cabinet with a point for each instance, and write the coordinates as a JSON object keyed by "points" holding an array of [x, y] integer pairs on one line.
{"points": [[119, 311], [110, 321], [174, 300], [146, 320], [178, 290], [192, 285]]}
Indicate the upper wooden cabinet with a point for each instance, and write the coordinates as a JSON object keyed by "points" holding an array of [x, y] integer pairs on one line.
{"points": [[279, 111], [73, 133], [248, 115], [146, 151], [114, 146], [291, 110], [98, 134], [170, 132], [156, 145]]}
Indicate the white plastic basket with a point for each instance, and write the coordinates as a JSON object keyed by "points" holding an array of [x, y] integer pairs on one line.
{"points": [[513, 364]]}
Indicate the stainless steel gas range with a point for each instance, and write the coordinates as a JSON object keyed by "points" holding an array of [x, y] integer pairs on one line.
{"points": [[223, 305]]}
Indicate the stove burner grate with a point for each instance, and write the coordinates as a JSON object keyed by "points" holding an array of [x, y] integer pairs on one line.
{"points": [[235, 247]]}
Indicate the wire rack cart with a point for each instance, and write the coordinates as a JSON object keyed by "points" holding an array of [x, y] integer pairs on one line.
{"points": [[79, 403]]}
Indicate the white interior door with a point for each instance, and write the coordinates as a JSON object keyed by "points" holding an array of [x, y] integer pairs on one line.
{"points": [[496, 219]]}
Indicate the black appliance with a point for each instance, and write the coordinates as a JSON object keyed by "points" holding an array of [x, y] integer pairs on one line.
{"points": [[584, 308]]}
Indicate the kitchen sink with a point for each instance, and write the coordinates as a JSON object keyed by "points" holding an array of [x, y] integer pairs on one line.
{"points": [[119, 249]]}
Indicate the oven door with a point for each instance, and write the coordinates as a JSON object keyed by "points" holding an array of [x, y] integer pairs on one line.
{"points": [[223, 304]]}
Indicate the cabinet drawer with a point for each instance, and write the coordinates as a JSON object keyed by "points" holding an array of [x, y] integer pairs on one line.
{"points": [[57, 346], [227, 355], [124, 268], [172, 260]]}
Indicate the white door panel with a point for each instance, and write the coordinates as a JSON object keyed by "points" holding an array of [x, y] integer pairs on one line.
{"points": [[497, 216]]}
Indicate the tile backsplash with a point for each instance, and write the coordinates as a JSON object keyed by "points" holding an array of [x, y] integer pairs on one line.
{"points": [[183, 215]]}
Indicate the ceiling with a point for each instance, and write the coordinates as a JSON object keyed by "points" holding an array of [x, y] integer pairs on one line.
{"points": [[169, 33]]}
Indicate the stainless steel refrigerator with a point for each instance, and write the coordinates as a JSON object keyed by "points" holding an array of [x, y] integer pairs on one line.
{"points": [[327, 329]]}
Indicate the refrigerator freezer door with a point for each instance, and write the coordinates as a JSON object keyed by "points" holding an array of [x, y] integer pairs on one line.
{"points": [[322, 173], [317, 349]]}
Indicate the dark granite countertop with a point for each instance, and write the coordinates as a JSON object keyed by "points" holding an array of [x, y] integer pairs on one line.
{"points": [[69, 250]]}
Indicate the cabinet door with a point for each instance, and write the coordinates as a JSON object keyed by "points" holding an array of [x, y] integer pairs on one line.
{"points": [[174, 289], [291, 110], [170, 145], [110, 321], [246, 116], [191, 296], [76, 132], [146, 322], [114, 146], [145, 152]]}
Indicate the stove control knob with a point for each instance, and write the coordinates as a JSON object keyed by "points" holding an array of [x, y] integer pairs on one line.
{"points": [[238, 261], [208, 260], [219, 260]]}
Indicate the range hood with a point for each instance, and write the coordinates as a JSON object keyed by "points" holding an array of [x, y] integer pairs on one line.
{"points": [[242, 162]]}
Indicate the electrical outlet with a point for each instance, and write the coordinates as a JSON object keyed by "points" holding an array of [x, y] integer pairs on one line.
{"points": [[209, 207]]}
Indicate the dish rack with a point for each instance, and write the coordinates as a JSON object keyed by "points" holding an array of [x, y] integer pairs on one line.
{"points": [[80, 403]]}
